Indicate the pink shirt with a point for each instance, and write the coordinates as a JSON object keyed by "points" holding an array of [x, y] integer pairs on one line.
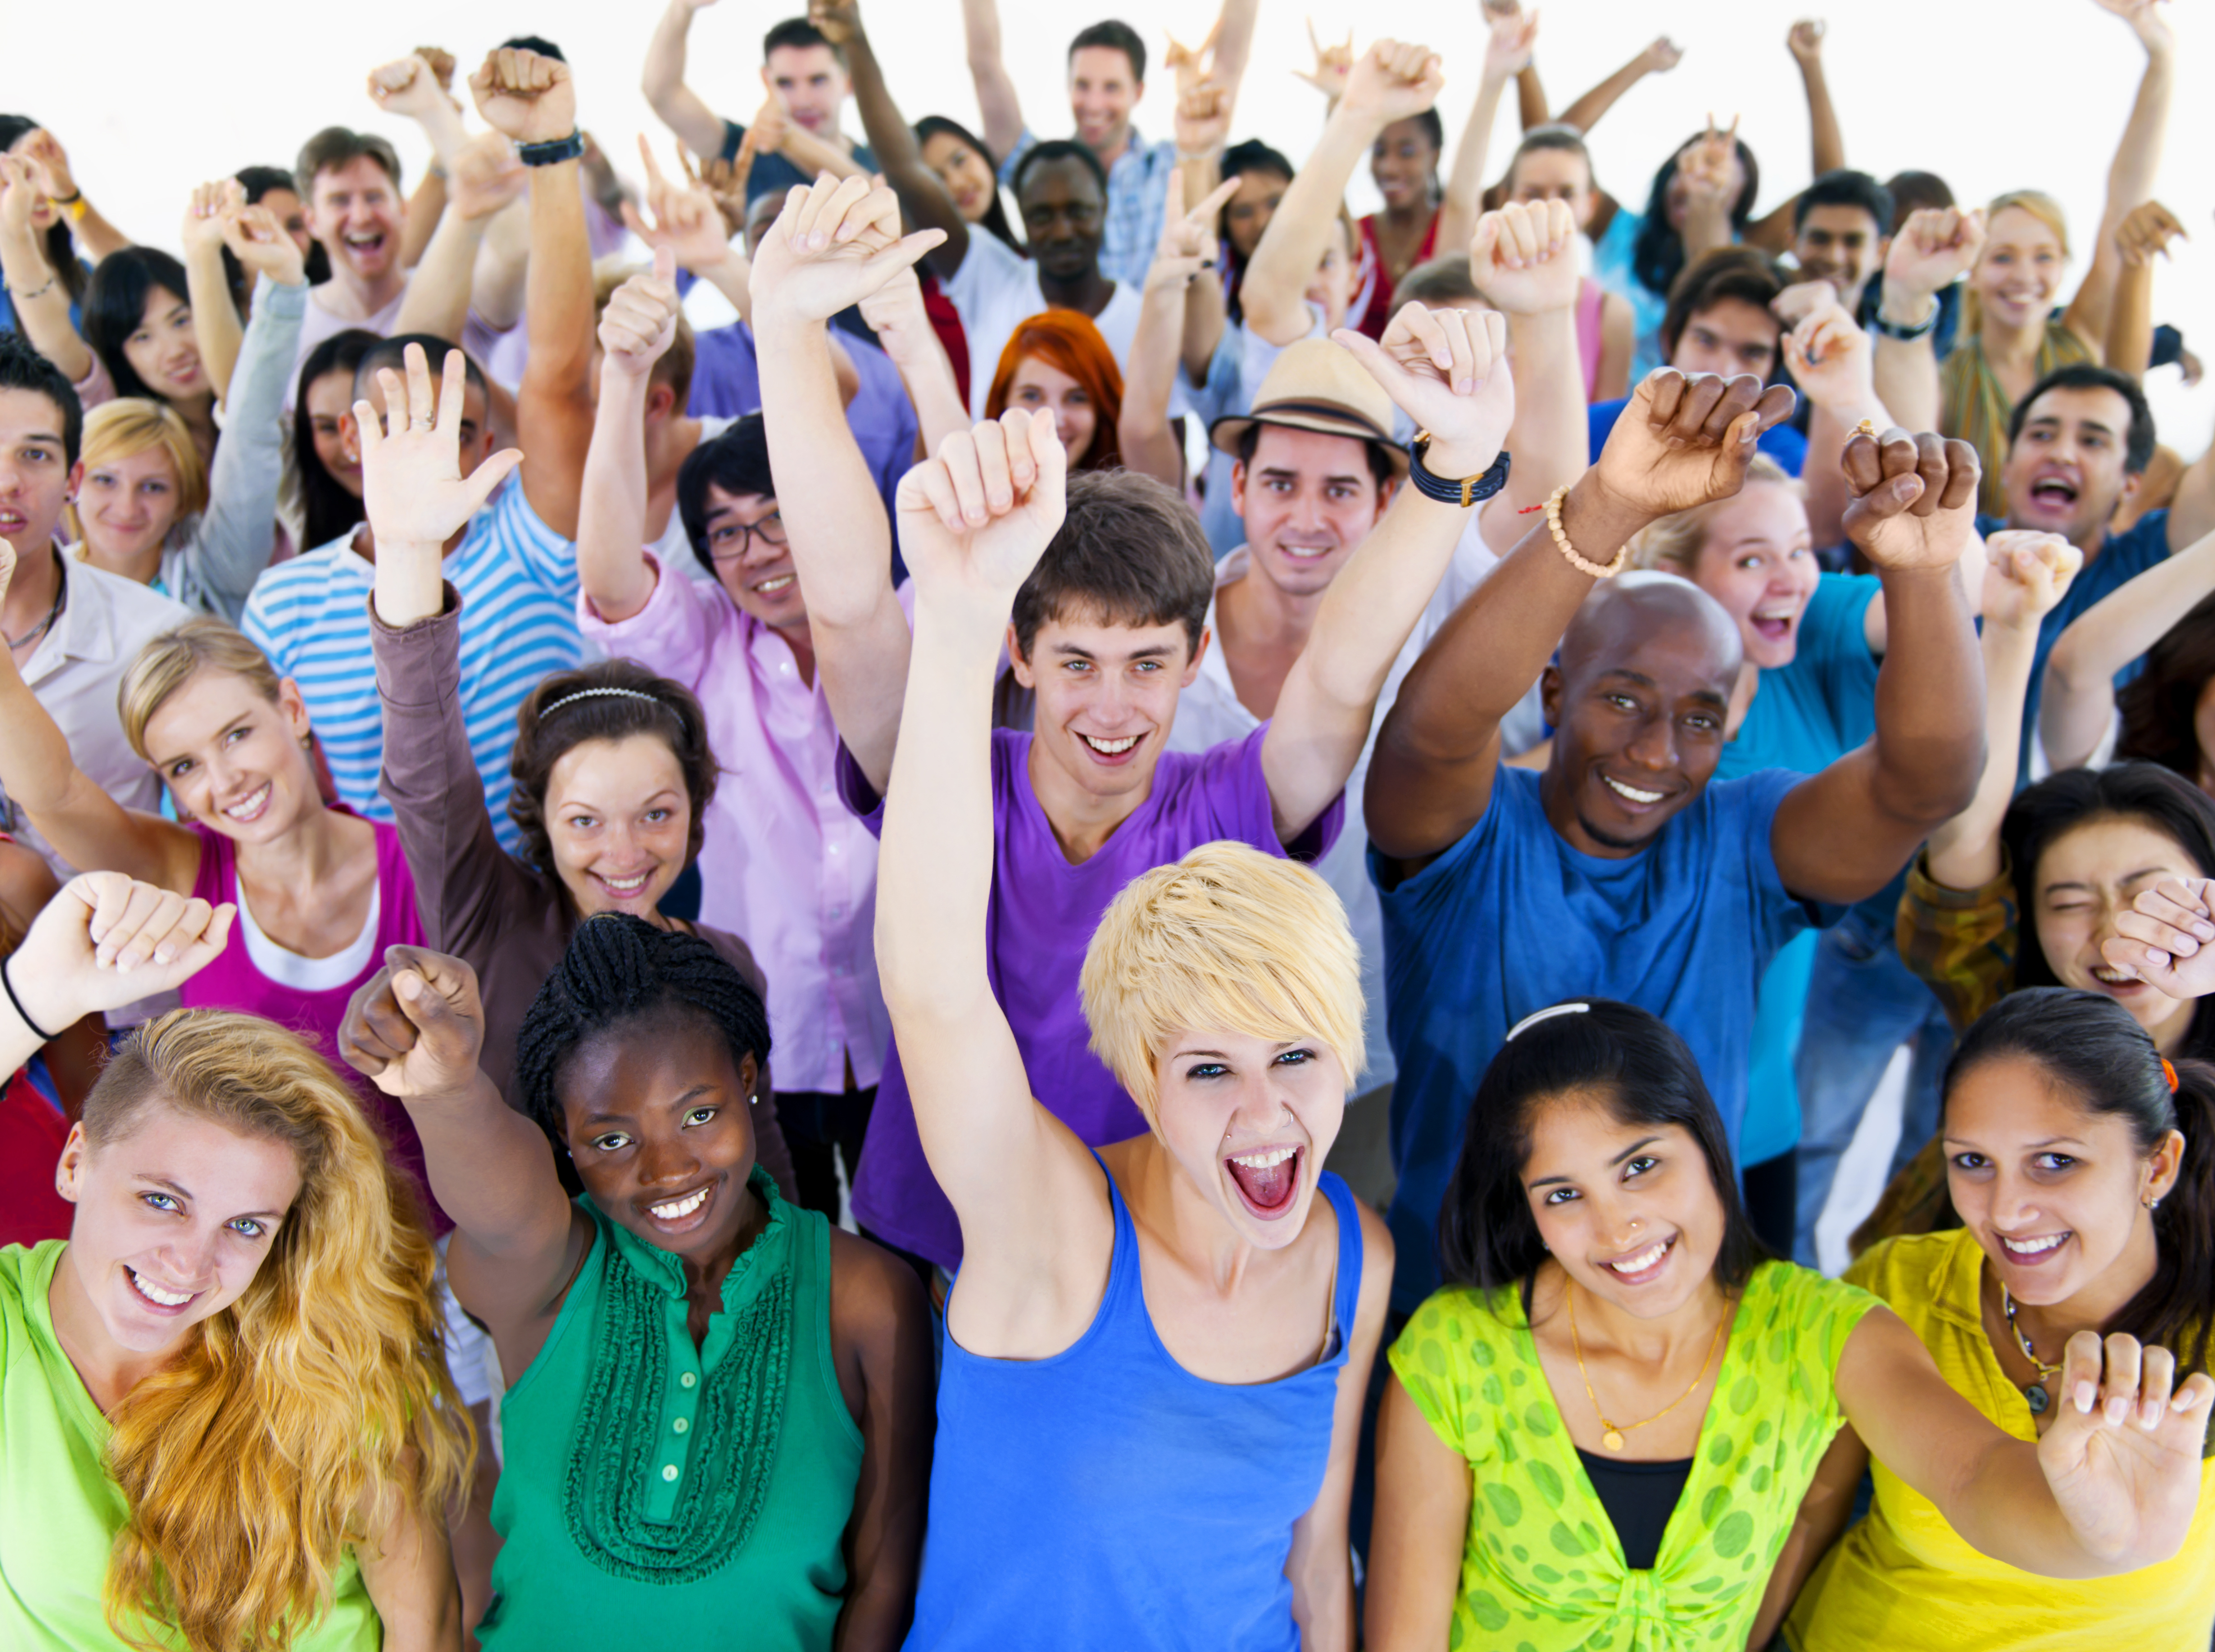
{"points": [[784, 863]]}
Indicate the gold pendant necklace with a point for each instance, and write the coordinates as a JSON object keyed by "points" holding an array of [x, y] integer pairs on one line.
{"points": [[1611, 1433]]}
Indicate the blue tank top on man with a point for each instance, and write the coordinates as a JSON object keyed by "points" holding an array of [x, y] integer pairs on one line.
{"points": [[1107, 1498]]}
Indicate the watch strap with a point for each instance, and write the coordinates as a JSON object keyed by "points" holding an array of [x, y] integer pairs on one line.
{"points": [[1464, 491], [553, 154]]}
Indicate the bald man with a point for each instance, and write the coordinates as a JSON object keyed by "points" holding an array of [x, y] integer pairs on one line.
{"points": [[1619, 871]]}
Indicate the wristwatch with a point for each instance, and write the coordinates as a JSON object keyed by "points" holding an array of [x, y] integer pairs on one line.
{"points": [[553, 154], [1905, 332], [1465, 493]]}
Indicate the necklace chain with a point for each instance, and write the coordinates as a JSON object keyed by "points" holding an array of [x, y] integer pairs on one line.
{"points": [[61, 590], [2022, 1339], [1612, 1433]]}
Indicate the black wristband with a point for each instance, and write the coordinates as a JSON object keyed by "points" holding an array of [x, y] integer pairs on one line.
{"points": [[1901, 331], [1469, 491], [553, 154], [44, 1037]]}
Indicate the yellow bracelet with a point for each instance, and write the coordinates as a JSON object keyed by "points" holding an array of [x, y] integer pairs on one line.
{"points": [[1582, 564]]}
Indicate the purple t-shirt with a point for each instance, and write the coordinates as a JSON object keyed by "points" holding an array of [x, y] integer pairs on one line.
{"points": [[1040, 921]]}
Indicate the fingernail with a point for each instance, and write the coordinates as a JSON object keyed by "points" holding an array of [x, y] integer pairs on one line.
{"points": [[163, 955], [2118, 1409], [2204, 931], [2150, 1416], [2086, 1393]]}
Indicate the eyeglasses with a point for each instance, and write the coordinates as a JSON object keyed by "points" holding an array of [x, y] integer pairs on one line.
{"points": [[727, 541]]}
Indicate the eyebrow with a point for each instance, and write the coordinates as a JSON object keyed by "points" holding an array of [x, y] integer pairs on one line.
{"points": [[1347, 477], [1071, 651], [164, 1183], [2030, 1147], [624, 1118]]}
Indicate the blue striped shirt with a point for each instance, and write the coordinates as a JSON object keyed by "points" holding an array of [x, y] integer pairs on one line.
{"points": [[517, 580]]}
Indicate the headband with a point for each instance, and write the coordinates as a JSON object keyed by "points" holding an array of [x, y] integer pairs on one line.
{"points": [[1544, 1015], [592, 693]]}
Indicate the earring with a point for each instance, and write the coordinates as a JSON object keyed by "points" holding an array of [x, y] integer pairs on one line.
{"points": [[2151, 1204], [753, 1101]]}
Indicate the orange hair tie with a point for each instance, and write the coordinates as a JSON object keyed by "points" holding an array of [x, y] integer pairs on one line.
{"points": [[2170, 1073]]}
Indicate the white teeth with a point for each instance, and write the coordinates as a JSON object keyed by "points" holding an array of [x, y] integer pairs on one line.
{"points": [[1644, 1260], [251, 805], [771, 587], [1263, 1161], [681, 1208], [2111, 975], [155, 1294], [626, 885], [1631, 792], [1110, 747], [2032, 1247]]}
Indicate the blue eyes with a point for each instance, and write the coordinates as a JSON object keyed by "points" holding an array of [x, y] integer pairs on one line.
{"points": [[246, 1227], [1216, 1069]]}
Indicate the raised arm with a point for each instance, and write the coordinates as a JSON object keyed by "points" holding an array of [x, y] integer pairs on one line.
{"points": [[833, 515], [484, 178], [1682, 442], [1523, 258], [90, 231], [635, 331], [892, 140], [1506, 54], [1805, 42], [1934, 248], [996, 88], [1180, 277], [531, 100], [1389, 82], [698, 128], [416, 1029], [41, 302], [1842, 834], [2111, 1486], [217, 327], [895, 314], [416, 87], [2131, 176], [1831, 362], [2146, 229], [1658, 58], [2078, 705]]}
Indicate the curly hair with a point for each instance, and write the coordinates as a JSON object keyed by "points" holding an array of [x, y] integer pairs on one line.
{"points": [[619, 969], [247, 1462]]}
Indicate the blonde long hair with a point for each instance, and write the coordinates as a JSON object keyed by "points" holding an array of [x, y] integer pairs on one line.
{"points": [[294, 1422], [2041, 206], [174, 658]]}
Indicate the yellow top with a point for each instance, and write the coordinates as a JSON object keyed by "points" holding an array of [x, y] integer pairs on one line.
{"points": [[1902, 1580]]}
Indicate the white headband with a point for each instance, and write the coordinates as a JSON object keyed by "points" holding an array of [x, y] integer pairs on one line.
{"points": [[590, 693], [1544, 1015]]}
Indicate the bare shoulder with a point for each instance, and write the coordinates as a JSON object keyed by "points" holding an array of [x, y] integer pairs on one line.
{"points": [[872, 1293]]}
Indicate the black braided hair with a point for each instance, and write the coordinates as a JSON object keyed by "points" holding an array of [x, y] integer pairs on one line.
{"points": [[619, 968]]}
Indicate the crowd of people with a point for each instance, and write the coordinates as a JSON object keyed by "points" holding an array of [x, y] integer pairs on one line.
{"points": [[1150, 918]]}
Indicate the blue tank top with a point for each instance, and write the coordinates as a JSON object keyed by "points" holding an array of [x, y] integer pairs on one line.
{"points": [[1107, 1498]]}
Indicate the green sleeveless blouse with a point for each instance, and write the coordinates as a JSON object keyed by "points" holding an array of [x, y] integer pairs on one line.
{"points": [[695, 1490], [1542, 1570]]}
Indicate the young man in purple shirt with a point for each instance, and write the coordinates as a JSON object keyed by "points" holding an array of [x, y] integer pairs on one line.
{"points": [[1106, 633]]}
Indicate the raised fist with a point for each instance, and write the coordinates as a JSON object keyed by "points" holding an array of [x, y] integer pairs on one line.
{"points": [[408, 86], [2147, 228], [1524, 257], [1934, 248], [527, 97], [2026, 576], [415, 1027], [1806, 40], [1687, 439], [1914, 498], [1391, 81], [838, 22], [975, 519]]}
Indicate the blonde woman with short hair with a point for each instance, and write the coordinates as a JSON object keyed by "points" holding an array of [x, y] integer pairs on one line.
{"points": [[224, 1421]]}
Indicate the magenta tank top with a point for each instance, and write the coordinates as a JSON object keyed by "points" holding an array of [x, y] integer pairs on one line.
{"points": [[232, 982], [1591, 298]]}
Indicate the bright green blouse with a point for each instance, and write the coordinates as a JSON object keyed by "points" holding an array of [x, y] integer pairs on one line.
{"points": [[59, 1510], [657, 1490], [1542, 1570]]}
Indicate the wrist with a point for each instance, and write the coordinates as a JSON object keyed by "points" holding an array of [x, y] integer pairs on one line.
{"points": [[22, 1001], [1599, 521], [1904, 305]]}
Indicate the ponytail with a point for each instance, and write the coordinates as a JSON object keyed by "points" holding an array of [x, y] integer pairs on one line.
{"points": [[2176, 1309]]}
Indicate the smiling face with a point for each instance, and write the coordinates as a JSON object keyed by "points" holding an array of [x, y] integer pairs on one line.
{"points": [[1629, 1210], [967, 175], [1065, 214], [1106, 699], [1843, 245], [126, 506], [330, 406], [292, 215], [619, 820], [173, 1219], [2084, 878], [34, 477], [1307, 500], [1729, 337], [656, 1114], [1758, 562], [355, 212], [1102, 92], [754, 559], [164, 351], [1404, 163], [2020, 269], [808, 82], [236, 761], [2053, 1191], [1249, 209], [1039, 386], [1638, 704], [2065, 471], [1251, 1121]]}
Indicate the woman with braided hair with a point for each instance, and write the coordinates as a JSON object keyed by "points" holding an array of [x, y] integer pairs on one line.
{"points": [[718, 1404]]}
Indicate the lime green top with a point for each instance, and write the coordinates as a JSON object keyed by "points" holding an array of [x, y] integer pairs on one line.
{"points": [[59, 1510], [651, 1488], [1542, 1570]]}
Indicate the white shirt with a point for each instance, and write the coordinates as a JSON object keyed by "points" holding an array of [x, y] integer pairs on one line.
{"points": [[74, 671], [996, 290]]}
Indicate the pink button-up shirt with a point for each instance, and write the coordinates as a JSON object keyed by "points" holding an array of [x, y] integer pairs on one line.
{"points": [[784, 864]]}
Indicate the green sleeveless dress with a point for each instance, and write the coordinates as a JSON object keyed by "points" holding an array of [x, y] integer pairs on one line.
{"points": [[1542, 1570], [651, 1489]]}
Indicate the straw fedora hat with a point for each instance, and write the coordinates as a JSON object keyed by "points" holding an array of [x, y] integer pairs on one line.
{"points": [[1315, 385]]}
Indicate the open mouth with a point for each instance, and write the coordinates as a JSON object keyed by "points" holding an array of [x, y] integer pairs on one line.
{"points": [[1638, 799], [623, 888], [1646, 1266], [2106, 977], [1109, 751], [13, 521], [2033, 1252], [1267, 1180], [1775, 625], [2054, 493], [1306, 553], [364, 243], [252, 806], [154, 1296], [775, 586], [683, 1214]]}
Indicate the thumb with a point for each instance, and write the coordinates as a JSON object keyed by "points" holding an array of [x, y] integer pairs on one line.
{"points": [[664, 262], [903, 254], [478, 486], [1366, 351]]}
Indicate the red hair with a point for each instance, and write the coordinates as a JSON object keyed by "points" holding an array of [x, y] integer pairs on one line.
{"points": [[1066, 340]]}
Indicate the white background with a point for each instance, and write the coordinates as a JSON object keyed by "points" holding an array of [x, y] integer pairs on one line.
{"points": [[151, 96]]}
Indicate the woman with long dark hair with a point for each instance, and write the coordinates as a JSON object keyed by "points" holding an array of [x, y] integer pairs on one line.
{"points": [[1615, 1352], [322, 490]]}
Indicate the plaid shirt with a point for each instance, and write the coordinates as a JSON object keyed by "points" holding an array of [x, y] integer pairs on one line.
{"points": [[1137, 194], [1962, 943]]}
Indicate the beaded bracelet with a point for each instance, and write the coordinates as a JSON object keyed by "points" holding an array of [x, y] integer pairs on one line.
{"points": [[1582, 564]]}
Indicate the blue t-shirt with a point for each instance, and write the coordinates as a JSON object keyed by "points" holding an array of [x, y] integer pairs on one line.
{"points": [[1512, 919], [2122, 558], [774, 171], [1781, 442]]}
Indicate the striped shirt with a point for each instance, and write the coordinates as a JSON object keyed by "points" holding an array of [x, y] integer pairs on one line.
{"points": [[517, 580]]}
